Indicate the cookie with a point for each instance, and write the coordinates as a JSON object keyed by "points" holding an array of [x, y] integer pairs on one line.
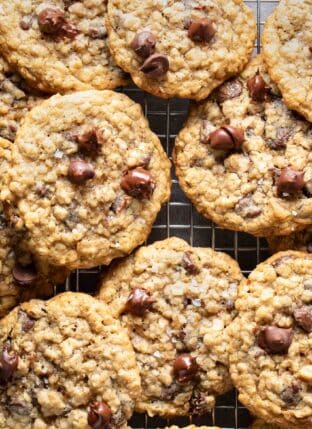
{"points": [[180, 48], [66, 363], [287, 48], [177, 303], [244, 159], [88, 178], [270, 341], [22, 275], [298, 241], [193, 427], [16, 99], [59, 46], [260, 424]]}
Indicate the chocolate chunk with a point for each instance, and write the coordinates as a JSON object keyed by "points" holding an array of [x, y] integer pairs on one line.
{"points": [[121, 203], [89, 140], [283, 134], [247, 208], [27, 322], [185, 368], [69, 30], [138, 183], [227, 138], [79, 172], [155, 66], [8, 363], [289, 183], [51, 20], [229, 90], [24, 275], [99, 415], [275, 340], [303, 317], [201, 30], [144, 44], [257, 87], [139, 302], [189, 264], [291, 395]]}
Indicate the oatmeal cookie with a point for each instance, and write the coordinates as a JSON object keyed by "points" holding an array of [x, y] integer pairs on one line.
{"points": [[245, 160], [88, 178], [287, 48], [65, 363], [301, 240], [271, 340], [180, 48], [177, 303], [59, 45]]}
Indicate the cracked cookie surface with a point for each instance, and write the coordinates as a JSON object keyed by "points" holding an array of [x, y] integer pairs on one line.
{"points": [[270, 340], [177, 303], [245, 160], [287, 48], [193, 45], [88, 178], [70, 356], [59, 46]]}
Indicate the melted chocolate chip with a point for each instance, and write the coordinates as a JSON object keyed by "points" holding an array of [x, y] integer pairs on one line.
{"points": [[144, 44], [201, 30], [185, 368], [139, 302], [69, 30], [121, 203], [89, 140], [289, 183], [227, 138], [99, 415], [247, 208], [303, 317], [8, 363], [27, 322], [138, 183], [155, 66], [189, 264], [283, 134], [291, 395], [24, 275], [79, 172], [275, 340], [229, 90], [51, 20], [257, 88]]}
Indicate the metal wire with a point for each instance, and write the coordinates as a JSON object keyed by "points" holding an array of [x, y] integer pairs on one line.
{"points": [[179, 218]]}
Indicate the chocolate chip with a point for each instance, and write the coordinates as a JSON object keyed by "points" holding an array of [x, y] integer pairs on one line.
{"points": [[99, 415], [27, 322], [257, 87], [275, 340], [89, 140], [303, 317], [201, 30], [79, 172], [185, 368], [229, 90], [289, 183], [291, 395], [69, 30], [189, 264], [24, 275], [26, 22], [144, 44], [227, 138], [8, 363], [51, 20], [155, 66], [139, 302], [120, 203], [283, 134], [138, 183], [247, 208]]}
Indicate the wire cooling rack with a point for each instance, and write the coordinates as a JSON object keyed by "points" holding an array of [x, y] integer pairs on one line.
{"points": [[179, 218]]}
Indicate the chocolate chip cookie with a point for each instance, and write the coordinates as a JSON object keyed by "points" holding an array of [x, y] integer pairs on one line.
{"points": [[181, 48], [244, 159], [59, 46], [287, 47], [298, 241], [88, 178], [260, 424], [65, 363], [16, 99], [177, 303], [271, 340]]}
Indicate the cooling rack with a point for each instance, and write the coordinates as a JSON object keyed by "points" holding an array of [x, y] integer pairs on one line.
{"points": [[179, 218]]}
